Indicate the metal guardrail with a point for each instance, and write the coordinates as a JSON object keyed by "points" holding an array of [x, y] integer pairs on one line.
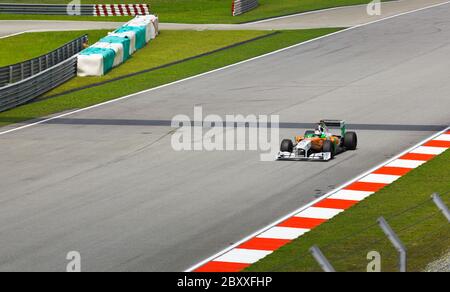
{"points": [[21, 92], [242, 6], [17, 72], [47, 9]]}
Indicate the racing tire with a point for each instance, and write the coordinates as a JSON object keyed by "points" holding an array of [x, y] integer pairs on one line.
{"points": [[287, 146], [350, 141], [309, 132], [328, 146]]}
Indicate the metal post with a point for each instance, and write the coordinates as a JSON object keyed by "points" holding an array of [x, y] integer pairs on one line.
{"points": [[441, 205], [321, 259], [395, 240]]}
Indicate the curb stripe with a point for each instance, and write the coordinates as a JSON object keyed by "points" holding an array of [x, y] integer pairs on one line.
{"points": [[393, 170], [336, 204], [301, 222], [444, 137], [274, 237], [288, 233], [429, 150], [380, 178], [243, 256], [264, 243], [350, 195], [366, 186], [438, 143], [222, 266], [415, 156], [319, 213], [406, 163]]}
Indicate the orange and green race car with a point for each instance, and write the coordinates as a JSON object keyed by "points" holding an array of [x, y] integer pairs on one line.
{"points": [[319, 144]]}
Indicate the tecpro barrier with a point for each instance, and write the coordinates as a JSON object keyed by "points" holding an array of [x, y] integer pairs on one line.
{"points": [[117, 47]]}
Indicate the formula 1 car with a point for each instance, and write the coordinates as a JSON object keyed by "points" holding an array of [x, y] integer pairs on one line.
{"points": [[319, 144]]}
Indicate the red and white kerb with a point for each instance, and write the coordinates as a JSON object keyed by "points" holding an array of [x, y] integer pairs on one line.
{"points": [[121, 9]]}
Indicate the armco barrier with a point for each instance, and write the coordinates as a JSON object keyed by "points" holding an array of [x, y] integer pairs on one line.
{"points": [[45, 9], [242, 6], [21, 92], [17, 72], [84, 9]]}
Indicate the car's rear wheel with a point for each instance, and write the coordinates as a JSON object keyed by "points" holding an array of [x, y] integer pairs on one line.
{"points": [[350, 141], [328, 146], [287, 145]]}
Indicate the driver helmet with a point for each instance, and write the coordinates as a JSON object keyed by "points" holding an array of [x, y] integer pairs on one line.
{"points": [[319, 130]]}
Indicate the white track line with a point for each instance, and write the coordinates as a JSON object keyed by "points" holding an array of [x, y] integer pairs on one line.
{"points": [[220, 69]]}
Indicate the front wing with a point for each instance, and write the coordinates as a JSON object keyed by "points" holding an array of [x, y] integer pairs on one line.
{"points": [[322, 156]]}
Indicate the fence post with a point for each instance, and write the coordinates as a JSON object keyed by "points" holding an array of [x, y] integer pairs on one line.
{"points": [[321, 259], [396, 242], [441, 205]]}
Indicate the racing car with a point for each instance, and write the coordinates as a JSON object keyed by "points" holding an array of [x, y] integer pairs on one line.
{"points": [[319, 144]]}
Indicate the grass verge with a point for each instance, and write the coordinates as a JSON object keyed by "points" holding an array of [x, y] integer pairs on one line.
{"points": [[201, 11], [161, 76], [346, 239], [31, 45], [168, 47]]}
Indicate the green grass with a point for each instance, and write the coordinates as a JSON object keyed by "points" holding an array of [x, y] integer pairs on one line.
{"points": [[203, 11], [31, 45], [346, 239], [140, 82], [168, 47]]}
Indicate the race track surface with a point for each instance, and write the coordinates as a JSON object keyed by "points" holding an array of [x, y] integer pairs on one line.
{"points": [[106, 182]]}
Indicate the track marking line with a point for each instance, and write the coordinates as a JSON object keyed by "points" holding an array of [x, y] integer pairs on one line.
{"points": [[220, 69]]}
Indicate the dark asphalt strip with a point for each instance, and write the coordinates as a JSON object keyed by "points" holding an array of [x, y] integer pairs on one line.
{"points": [[167, 123]]}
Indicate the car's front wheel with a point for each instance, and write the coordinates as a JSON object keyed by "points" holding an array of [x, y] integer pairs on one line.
{"points": [[328, 146], [287, 146]]}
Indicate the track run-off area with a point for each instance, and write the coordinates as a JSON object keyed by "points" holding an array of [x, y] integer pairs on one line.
{"points": [[105, 181]]}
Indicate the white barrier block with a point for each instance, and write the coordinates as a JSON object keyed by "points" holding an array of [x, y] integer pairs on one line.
{"points": [[118, 49]]}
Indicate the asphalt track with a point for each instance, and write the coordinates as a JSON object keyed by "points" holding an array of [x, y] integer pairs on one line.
{"points": [[346, 16], [106, 182]]}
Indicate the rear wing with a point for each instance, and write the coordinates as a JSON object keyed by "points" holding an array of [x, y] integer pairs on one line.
{"points": [[336, 124]]}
